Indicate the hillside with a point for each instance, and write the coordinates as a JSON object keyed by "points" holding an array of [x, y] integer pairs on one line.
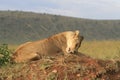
{"points": [[18, 27]]}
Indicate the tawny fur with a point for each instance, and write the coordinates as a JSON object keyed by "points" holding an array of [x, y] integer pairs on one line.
{"points": [[49, 46]]}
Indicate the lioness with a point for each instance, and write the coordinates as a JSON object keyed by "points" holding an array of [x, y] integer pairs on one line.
{"points": [[65, 42]]}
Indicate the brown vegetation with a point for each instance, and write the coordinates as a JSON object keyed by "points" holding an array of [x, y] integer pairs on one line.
{"points": [[74, 67]]}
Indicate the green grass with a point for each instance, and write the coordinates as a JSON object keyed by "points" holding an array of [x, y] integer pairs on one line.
{"points": [[101, 49]]}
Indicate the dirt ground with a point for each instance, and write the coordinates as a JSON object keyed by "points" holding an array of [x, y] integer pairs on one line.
{"points": [[73, 67]]}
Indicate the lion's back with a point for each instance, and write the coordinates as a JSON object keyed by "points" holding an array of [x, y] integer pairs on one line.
{"points": [[22, 46], [49, 46]]}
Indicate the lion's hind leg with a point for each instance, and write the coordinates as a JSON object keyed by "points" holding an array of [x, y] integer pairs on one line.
{"points": [[25, 58]]}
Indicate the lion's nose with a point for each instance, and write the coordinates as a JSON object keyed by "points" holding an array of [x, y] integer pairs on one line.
{"points": [[71, 51], [68, 50]]}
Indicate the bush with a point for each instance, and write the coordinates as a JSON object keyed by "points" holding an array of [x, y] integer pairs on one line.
{"points": [[4, 54]]}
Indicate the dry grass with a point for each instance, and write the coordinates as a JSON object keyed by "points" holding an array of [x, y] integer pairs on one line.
{"points": [[96, 49], [101, 49], [12, 47]]}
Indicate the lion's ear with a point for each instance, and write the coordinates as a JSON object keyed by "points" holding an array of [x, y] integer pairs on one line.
{"points": [[77, 32]]}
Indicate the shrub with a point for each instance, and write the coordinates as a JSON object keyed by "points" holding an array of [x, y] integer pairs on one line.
{"points": [[4, 54]]}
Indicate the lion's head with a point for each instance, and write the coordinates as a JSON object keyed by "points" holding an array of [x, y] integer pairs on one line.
{"points": [[73, 41]]}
